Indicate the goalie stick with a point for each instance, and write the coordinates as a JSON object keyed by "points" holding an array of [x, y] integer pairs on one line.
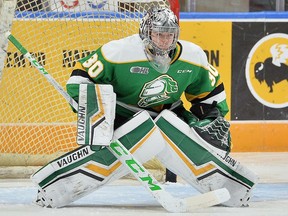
{"points": [[169, 202]]}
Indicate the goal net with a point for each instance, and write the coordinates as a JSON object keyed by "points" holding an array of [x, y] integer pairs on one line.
{"points": [[36, 123]]}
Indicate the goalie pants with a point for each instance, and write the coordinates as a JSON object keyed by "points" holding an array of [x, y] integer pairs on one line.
{"points": [[172, 141]]}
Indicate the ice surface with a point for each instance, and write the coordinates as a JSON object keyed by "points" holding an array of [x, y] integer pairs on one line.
{"points": [[128, 197]]}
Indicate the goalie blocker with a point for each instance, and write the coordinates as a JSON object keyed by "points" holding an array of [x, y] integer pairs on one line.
{"points": [[96, 114], [171, 140]]}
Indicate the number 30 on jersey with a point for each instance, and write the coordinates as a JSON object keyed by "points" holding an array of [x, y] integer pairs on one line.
{"points": [[95, 66], [213, 73]]}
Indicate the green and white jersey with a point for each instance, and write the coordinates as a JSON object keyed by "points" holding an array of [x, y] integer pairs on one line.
{"points": [[123, 64]]}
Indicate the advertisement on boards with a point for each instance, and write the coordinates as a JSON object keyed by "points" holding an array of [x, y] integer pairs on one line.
{"points": [[260, 71]]}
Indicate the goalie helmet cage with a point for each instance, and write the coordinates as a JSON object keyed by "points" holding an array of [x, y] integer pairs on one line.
{"points": [[36, 123]]}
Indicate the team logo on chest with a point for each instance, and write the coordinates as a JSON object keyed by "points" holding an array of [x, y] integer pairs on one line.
{"points": [[157, 90]]}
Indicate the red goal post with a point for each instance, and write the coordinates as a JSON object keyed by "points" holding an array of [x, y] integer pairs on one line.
{"points": [[175, 7]]}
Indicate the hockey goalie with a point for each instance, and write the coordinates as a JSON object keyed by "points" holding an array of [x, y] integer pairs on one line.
{"points": [[129, 90]]}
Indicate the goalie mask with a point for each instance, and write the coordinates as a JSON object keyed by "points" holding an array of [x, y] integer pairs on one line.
{"points": [[159, 31]]}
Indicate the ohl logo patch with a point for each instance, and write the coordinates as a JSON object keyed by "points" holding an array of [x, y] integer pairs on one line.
{"points": [[267, 70]]}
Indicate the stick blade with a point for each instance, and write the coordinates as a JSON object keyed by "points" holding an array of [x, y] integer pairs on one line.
{"points": [[207, 199], [176, 205]]}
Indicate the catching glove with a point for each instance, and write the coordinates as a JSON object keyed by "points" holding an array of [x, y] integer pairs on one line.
{"points": [[214, 129]]}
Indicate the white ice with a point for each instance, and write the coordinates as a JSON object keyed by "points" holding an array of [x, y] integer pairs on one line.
{"points": [[127, 197]]}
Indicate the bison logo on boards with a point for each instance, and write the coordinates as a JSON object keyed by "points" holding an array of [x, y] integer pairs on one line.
{"points": [[267, 70]]}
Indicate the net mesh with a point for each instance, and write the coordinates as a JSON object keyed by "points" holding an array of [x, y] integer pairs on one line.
{"points": [[36, 123]]}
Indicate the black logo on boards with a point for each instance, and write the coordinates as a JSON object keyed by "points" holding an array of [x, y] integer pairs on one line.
{"points": [[69, 58], [274, 69], [17, 60], [267, 70]]}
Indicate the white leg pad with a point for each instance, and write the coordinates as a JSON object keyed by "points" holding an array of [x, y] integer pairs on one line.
{"points": [[82, 171], [199, 165]]}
